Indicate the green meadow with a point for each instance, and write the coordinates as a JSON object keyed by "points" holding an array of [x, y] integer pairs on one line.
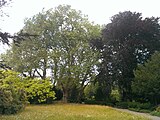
{"points": [[71, 112]]}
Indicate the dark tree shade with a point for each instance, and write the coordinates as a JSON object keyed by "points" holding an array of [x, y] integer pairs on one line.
{"points": [[127, 41]]}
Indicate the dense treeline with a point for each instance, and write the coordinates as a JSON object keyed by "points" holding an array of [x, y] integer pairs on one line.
{"points": [[87, 62]]}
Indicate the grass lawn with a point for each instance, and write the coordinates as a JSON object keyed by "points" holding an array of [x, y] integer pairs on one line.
{"points": [[70, 112]]}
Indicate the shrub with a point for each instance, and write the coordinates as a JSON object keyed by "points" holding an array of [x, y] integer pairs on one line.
{"points": [[115, 95], [15, 91], [145, 111], [122, 105], [134, 105], [11, 100], [146, 106], [134, 109], [39, 91], [139, 110], [93, 102], [90, 91], [141, 106], [158, 109], [155, 113]]}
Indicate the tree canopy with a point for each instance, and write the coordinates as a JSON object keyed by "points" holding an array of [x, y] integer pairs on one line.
{"points": [[127, 41]]}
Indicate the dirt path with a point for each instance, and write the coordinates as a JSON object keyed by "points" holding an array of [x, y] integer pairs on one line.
{"points": [[137, 113]]}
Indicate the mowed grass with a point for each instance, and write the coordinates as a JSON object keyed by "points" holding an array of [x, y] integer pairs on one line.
{"points": [[70, 112]]}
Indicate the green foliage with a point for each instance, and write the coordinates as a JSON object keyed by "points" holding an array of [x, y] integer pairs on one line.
{"points": [[12, 97], [155, 113], [146, 106], [140, 110], [39, 91], [11, 100], [158, 109], [135, 106], [90, 91], [94, 102], [147, 80], [115, 95], [122, 105]]}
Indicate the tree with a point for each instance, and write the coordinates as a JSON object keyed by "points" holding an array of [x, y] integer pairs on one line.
{"points": [[63, 43], [126, 41], [73, 58], [147, 80]]}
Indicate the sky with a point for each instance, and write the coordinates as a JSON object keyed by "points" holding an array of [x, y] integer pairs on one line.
{"points": [[98, 11]]}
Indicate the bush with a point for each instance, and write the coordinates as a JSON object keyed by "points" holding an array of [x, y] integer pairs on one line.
{"points": [[12, 98], [146, 106], [134, 109], [155, 113], [15, 91], [145, 111], [115, 95], [93, 102], [158, 109], [140, 106], [90, 91], [39, 91], [122, 105], [136, 106]]}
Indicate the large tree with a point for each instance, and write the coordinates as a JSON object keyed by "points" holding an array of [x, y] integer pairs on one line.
{"points": [[73, 58], [127, 41], [63, 43]]}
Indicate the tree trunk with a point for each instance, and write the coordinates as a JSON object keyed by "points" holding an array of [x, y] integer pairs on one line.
{"points": [[45, 69], [80, 95], [65, 96]]}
